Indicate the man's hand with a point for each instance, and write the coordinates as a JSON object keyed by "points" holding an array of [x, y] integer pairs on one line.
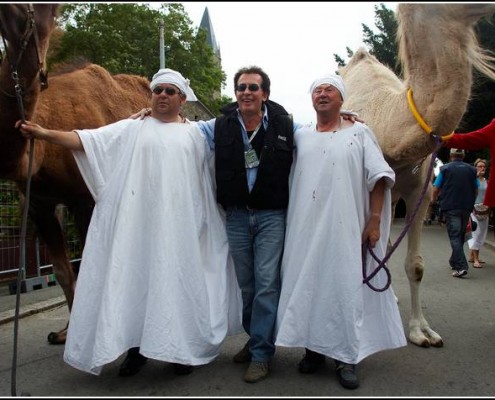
{"points": [[141, 114], [30, 130], [350, 115]]}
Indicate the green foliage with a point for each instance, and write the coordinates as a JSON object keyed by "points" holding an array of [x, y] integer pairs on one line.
{"points": [[480, 109], [125, 38], [10, 216], [383, 44]]}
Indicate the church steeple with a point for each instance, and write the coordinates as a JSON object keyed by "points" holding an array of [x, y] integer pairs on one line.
{"points": [[212, 42], [210, 35]]}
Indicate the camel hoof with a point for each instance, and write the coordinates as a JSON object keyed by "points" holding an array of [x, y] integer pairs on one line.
{"points": [[56, 338], [421, 342]]}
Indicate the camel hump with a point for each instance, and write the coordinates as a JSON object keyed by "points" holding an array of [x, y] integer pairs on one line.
{"points": [[358, 57]]}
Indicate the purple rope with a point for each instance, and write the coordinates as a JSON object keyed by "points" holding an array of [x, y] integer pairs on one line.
{"points": [[410, 218]]}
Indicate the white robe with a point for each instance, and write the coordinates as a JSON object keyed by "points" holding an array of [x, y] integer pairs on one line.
{"points": [[324, 306], [478, 237], [156, 271]]}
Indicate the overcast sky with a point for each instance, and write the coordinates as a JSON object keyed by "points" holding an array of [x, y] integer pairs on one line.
{"points": [[293, 42]]}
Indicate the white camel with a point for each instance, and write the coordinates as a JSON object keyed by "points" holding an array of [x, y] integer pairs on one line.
{"points": [[438, 50]]}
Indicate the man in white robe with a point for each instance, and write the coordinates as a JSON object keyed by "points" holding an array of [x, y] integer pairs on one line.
{"points": [[156, 276], [339, 199]]}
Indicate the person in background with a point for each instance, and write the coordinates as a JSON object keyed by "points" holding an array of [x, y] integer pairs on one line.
{"points": [[339, 201], [434, 212], [458, 185], [480, 214], [483, 138], [156, 277]]}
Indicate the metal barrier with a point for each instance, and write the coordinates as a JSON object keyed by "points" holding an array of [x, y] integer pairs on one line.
{"points": [[37, 258]]}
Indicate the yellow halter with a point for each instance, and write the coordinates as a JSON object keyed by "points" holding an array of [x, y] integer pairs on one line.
{"points": [[419, 119]]}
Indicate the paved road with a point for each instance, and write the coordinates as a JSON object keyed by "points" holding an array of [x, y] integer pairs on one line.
{"points": [[461, 310]]}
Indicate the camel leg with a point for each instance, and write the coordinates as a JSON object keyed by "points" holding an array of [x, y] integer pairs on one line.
{"points": [[420, 332], [50, 231]]}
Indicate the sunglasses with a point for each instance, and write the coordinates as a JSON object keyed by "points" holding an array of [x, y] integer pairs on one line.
{"points": [[253, 87], [170, 91]]}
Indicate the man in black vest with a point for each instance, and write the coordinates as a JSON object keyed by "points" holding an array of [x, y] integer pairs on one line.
{"points": [[458, 185], [253, 142]]}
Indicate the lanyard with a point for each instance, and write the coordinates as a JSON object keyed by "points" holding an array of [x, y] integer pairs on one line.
{"points": [[254, 133]]}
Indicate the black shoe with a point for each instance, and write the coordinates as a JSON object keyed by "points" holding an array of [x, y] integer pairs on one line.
{"points": [[347, 375], [181, 369], [311, 362], [132, 363], [244, 355]]}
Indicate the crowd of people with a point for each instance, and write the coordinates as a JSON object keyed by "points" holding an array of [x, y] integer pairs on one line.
{"points": [[247, 222]]}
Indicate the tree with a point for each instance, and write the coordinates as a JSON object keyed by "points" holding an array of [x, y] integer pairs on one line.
{"points": [[383, 45], [480, 108], [124, 38]]}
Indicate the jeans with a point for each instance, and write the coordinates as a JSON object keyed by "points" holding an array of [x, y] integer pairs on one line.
{"points": [[256, 241], [456, 221]]}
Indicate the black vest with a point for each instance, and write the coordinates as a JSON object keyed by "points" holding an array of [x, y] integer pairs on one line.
{"points": [[271, 189], [458, 190]]}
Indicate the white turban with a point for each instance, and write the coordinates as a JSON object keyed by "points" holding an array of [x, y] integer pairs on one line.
{"points": [[331, 79], [167, 75]]}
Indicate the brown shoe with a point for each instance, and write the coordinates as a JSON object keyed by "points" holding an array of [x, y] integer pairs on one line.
{"points": [[244, 355], [256, 372]]}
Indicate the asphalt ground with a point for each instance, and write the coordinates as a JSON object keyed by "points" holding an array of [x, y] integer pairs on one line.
{"points": [[461, 310], [44, 299]]}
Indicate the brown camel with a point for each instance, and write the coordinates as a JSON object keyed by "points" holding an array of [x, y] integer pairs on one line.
{"points": [[84, 98], [438, 50]]}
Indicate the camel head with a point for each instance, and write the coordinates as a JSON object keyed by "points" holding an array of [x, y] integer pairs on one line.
{"points": [[26, 29]]}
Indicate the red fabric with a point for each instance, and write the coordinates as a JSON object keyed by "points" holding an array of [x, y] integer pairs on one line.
{"points": [[475, 141], [469, 227]]}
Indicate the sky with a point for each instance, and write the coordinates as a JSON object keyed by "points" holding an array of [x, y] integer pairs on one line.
{"points": [[293, 42]]}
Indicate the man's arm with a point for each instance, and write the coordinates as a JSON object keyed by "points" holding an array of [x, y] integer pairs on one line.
{"points": [[437, 184], [371, 232], [434, 194], [67, 139]]}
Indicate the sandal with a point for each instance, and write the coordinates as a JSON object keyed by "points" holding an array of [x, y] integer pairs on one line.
{"points": [[477, 264]]}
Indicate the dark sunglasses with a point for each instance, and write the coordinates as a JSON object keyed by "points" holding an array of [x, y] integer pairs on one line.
{"points": [[253, 87], [170, 91]]}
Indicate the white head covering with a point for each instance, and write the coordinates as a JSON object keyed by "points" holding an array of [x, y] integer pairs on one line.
{"points": [[331, 79], [167, 75]]}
